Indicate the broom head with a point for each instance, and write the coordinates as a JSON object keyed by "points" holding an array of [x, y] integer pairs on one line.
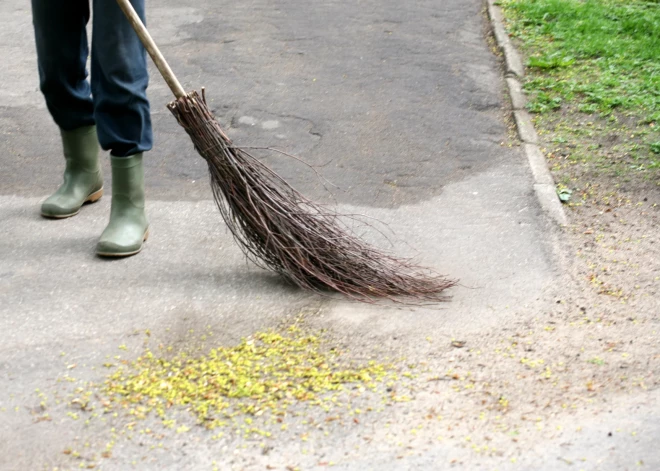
{"points": [[279, 229]]}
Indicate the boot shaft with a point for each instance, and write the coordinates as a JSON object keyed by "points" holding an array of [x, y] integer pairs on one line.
{"points": [[81, 149], [128, 179]]}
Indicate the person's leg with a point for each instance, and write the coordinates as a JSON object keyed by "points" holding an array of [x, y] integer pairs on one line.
{"points": [[61, 40], [119, 81], [121, 109], [62, 50]]}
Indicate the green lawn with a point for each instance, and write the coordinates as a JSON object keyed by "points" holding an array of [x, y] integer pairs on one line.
{"points": [[597, 60]]}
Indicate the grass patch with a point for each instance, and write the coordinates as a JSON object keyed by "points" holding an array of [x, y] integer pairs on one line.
{"points": [[599, 54], [594, 62]]}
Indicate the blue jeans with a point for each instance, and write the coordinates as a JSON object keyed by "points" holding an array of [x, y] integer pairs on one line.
{"points": [[116, 101]]}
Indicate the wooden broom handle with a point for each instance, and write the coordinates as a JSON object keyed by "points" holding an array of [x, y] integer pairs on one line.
{"points": [[152, 49]]}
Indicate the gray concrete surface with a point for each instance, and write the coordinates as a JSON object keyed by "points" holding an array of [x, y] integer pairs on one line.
{"points": [[616, 441], [399, 104]]}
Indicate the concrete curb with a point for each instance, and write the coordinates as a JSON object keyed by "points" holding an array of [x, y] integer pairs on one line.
{"points": [[544, 185], [514, 63]]}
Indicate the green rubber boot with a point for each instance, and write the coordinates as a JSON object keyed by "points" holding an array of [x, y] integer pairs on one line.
{"points": [[128, 227], [82, 176]]}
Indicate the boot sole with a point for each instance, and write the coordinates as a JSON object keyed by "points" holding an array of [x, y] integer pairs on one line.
{"points": [[93, 198], [125, 254]]}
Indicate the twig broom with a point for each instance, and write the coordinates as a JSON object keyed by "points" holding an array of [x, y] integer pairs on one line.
{"points": [[278, 228]]}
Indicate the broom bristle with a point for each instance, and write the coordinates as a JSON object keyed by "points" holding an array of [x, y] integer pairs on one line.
{"points": [[279, 229]]}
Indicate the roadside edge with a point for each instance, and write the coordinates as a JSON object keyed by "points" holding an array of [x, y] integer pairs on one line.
{"points": [[544, 184]]}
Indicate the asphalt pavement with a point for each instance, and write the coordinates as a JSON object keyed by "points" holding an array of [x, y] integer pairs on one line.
{"points": [[401, 105]]}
